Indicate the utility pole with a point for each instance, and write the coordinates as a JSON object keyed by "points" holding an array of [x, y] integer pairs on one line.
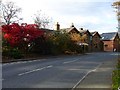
{"points": [[116, 5]]}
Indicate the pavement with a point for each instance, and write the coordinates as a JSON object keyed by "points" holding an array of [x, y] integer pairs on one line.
{"points": [[100, 78]]}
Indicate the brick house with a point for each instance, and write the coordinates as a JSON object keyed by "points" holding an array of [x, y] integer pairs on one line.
{"points": [[90, 40], [111, 41], [75, 36], [73, 32], [86, 38], [97, 44]]}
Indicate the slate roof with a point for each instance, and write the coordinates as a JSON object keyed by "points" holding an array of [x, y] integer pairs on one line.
{"points": [[108, 36], [47, 30], [94, 33], [65, 30], [84, 32], [68, 29]]}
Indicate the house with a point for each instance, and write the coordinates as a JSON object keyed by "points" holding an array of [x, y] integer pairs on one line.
{"points": [[47, 32], [72, 31], [97, 44], [111, 41], [81, 37], [86, 38]]}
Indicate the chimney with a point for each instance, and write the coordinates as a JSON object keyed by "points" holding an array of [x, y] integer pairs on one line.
{"points": [[57, 26], [81, 28], [72, 25]]}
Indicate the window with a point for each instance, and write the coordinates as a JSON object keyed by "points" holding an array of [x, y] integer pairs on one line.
{"points": [[106, 45], [95, 45]]}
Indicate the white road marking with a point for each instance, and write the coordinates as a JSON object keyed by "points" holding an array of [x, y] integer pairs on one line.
{"points": [[75, 69], [70, 61], [115, 54], [35, 70], [97, 67], [81, 80], [19, 62], [85, 76]]}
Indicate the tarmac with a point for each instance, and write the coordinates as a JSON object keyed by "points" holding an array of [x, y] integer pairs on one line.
{"points": [[99, 79]]}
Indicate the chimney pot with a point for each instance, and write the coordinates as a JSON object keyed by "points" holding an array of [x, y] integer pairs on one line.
{"points": [[81, 28], [57, 26]]}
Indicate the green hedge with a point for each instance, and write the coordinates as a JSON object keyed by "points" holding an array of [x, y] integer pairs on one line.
{"points": [[116, 77], [12, 53]]}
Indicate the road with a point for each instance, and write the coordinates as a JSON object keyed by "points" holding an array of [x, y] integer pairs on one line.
{"points": [[53, 72]]}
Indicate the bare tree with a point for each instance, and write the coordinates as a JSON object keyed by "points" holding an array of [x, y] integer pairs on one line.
{"points": [[10, 13], [41, 20], [116, 5], [0, 13]]}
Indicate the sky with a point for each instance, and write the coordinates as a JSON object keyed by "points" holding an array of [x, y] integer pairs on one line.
{"points": [[94, 15]]}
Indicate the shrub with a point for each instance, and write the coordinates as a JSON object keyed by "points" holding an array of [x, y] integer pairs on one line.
{"points": [[12, 53], [116, 77]]}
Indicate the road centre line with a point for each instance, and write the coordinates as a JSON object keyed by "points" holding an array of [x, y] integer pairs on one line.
{"points": [[70, 61], [35, 70], [85, 76]]}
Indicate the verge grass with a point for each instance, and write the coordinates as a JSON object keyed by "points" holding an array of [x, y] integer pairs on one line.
{"points": [[116, 77]]}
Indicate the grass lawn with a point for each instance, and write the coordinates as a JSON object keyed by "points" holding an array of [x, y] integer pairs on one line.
{"points": [[116, 76]]}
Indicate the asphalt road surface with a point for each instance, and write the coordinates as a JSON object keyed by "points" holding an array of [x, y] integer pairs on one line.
{"points": [[53, 72]]}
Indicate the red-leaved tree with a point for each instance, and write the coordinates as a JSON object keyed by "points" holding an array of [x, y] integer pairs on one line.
{"points": [[21, 35]]}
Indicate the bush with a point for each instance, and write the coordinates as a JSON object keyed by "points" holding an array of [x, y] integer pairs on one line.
{"points": [[12, 53], [57, 43], [116, 77], [16, 54]]}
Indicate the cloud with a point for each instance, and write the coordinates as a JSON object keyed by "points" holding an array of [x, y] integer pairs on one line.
{"points": [[91, 14]]}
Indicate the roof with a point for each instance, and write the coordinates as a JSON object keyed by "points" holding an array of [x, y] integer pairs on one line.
{"points": [[84, 32], [68, 29], [94, 33], [47, 30], [65, 30], [108, 36]]}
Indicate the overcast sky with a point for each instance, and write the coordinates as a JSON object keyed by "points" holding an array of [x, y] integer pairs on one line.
{"points": [[95, 15]]}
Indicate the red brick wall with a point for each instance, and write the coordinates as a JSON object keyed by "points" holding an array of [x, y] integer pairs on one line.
{"points": [[117, 43], [96, 43], [108, 45]]}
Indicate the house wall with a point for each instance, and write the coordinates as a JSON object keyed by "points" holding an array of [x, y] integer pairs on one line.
{"points": [[111, 45], [86, 38], [116, 43], [75, 35], [96, 43], [108, 45]]}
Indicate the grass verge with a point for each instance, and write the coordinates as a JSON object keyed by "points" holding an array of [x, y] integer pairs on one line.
{"points": [[116, 77]]}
